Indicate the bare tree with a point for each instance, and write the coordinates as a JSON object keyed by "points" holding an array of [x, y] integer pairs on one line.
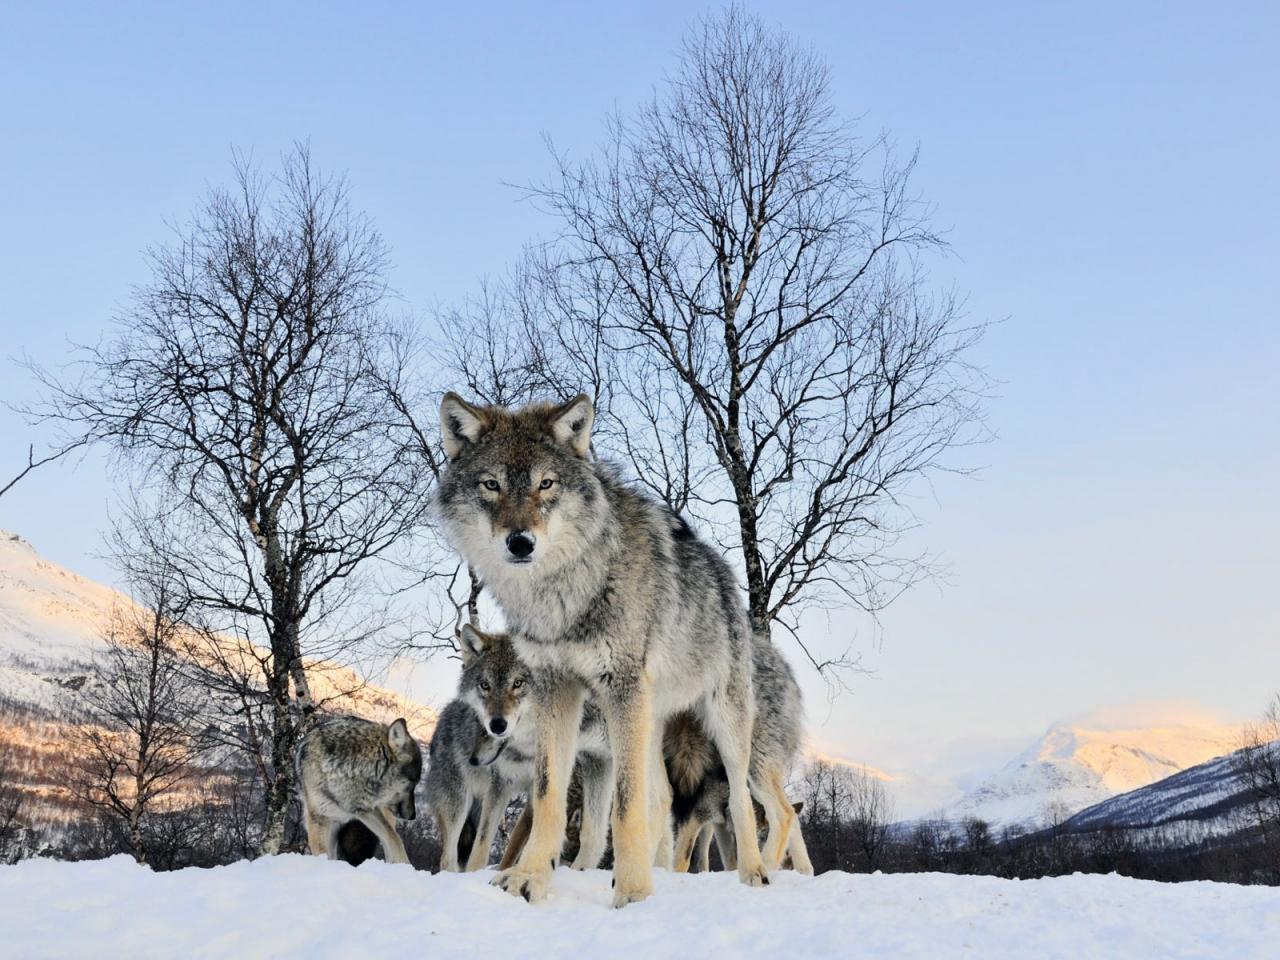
{"points": [[752, 272], [1257, 766], [870, 817], [140, 716], [846, 816], [827, 792], [246, 390]]}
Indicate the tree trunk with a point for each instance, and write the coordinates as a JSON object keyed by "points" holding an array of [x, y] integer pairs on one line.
{"points": [[280, 788], [135, 834]]}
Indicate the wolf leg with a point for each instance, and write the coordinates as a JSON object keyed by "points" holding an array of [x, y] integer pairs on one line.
{"points": [[703, 856], [686, 838], [728, 849], [519, 837], [660, 808], [557, 714], [384, 829], [731, 719], [333, 842], [779, 814], [799, 852], [631, 734], [491, 810], [451, 820], [317, 834], [597, 796]]}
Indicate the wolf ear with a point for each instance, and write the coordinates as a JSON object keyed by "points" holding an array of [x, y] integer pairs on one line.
{"points": [[473, 642], [398, 735], [460, 424], [571, 424]]}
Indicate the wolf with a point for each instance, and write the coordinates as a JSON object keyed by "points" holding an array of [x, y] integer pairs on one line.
{"points": [[482, 754], [350, 769], [608, 594], [700, 795], [457, 785]]}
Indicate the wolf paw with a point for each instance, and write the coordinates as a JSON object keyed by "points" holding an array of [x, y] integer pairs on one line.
{"points": [[530, 884], [757, 877], [622, 895]]}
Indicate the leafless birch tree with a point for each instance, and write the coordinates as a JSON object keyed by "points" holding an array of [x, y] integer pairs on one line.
{"points": [[752, 273], [245, 390]]}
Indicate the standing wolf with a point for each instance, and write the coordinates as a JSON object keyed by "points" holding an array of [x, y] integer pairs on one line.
{"points": [[483, 748], [700, 792], [609, 593], [353, 769]]}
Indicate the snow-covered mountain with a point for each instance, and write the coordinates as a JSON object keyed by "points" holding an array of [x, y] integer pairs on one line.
{"points": [[1079, 764], [1207, 800], [51, 624]]}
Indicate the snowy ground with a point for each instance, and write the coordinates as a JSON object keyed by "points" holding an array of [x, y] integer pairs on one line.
{"points": [[300, 906]]}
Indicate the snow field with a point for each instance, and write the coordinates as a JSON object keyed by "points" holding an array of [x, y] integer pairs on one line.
{"points": [[294, 906]]}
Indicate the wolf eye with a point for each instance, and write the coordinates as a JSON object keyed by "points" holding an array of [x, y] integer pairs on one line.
{"points": [[517, 683], [484, 685], [492, 485], [546, 484]]}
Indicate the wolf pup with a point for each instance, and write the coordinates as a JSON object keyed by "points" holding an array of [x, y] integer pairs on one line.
{"points": [[353, 769], [488, 756], [606, 593], [700, 791]]}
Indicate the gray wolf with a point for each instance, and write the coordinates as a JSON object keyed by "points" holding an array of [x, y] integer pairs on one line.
{"points": [[607, 594], [700, 794], [349, 769], [456, 784], [482, 754]]}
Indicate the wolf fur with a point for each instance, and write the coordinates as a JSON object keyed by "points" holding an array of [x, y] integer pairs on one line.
{"points": [[350, 769], [482, 755], [700, 794], [607, 594]]}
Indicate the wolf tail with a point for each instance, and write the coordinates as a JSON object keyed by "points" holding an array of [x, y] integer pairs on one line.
{"points": [[356, 843]]}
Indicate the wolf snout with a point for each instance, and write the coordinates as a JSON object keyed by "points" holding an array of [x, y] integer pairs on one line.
{"points": [[520, 544], [497, 726]]}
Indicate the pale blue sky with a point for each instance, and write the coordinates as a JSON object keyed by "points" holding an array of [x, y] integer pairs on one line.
{"points": [[1109, 174]]}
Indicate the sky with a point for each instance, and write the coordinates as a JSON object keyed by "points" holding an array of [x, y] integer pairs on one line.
{"points": [[1108, 178]]}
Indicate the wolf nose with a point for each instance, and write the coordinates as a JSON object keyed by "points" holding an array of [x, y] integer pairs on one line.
{"points": [[498, 726], [520, 544]]}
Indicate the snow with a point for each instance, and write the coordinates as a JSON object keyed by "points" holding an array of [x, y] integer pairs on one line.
{"points": [[304, 906]]}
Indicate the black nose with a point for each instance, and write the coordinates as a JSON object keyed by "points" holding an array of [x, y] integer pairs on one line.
{"points": [[520, 544], [498, 726]]}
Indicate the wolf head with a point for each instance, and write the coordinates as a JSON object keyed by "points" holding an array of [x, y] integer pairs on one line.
{"points": [[405, 772], [519, 491], [495, 683]]}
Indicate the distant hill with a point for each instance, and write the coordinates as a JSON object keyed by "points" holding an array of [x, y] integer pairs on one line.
{"points": [[51, 623], [1207, 800]]}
